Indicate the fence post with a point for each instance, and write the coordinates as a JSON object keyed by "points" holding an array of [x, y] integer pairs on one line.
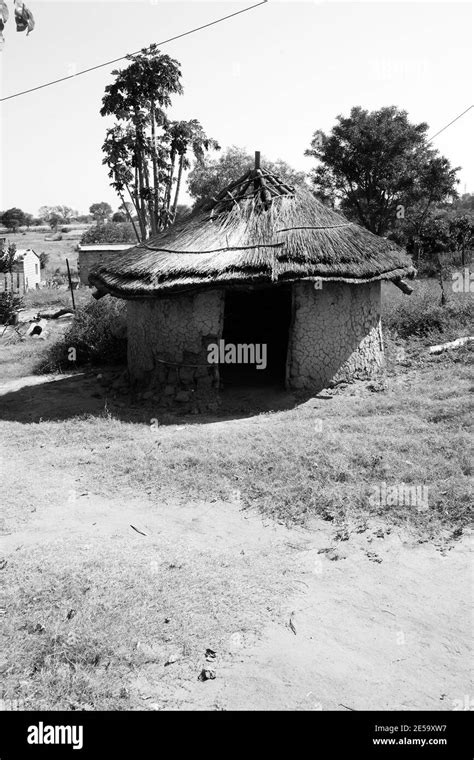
{"points": [[70, 285]]}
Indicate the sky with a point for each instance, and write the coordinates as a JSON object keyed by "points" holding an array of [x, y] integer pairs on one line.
{"points": [[264, 80]]}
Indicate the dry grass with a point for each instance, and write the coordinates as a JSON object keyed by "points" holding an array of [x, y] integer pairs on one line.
{"points": [[319, 461], [19, 358], [60, 297], [135, 607]]}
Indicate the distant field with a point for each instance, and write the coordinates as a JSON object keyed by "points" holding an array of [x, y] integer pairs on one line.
{"points": [[57, 250]]}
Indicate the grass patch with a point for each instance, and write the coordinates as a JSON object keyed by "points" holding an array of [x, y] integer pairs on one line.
{"points": [[85, 622], [61, 297], [319, 461]]}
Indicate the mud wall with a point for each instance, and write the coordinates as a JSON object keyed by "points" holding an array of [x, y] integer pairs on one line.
{"points": [[336, 334]]}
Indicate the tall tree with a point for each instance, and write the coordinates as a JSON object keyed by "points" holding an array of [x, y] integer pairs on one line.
{"points": [[143, 149], [211, 175], [13, 218], [55, 215], [380, 168], [101, 211]]}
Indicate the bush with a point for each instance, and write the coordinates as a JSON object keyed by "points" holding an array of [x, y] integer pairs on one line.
{"points": [[113, 233], [98, 335], [422, 315], [9, 305]]}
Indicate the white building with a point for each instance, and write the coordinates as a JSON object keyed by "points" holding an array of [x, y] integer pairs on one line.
{"points": [[27, 262], [25, 274]]}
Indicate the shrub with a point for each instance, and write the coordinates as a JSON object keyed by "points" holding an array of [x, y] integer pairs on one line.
{"points": [[98, 335], [9, 305], [422, 315], [109, 233]]}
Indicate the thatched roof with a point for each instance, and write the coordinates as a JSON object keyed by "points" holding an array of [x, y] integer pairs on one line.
{"points": [[257, 231]]}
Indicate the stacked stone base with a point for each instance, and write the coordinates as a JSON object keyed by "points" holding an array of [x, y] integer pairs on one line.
{"points": [[168, 342], [191, 389]]}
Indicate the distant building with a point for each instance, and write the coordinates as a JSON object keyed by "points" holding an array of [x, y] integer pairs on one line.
{"points": [[91, 255], [25, 274]]}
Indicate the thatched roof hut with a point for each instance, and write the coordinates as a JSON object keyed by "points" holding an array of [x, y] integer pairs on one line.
{"points": [[258, 230], [308, 278]]}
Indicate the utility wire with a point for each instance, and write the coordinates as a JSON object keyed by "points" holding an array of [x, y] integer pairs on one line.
{"points": [[451, 122], [115, 60]]}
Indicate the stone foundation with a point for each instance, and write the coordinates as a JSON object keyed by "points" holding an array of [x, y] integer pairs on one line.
{"points": [[336, 334], [167, 347]]}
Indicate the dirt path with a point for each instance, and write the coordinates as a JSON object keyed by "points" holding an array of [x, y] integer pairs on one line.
{"points": [[375, 623], [374, 620]]}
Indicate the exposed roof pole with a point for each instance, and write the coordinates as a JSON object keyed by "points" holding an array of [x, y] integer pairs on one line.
{"points": [[257, 159]]}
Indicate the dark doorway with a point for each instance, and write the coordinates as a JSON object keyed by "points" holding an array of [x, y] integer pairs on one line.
{"points": [[260, 319]]}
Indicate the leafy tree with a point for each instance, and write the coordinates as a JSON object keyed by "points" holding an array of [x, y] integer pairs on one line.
{"points": [[210, 176], [100, 211], [119, 217], [7, 257], [13, 218], [380, 168], [55, 215], [186, 134], [109, 233], [43, 260], [461, 233], [55, 220], [143, 149], [44, 212]]}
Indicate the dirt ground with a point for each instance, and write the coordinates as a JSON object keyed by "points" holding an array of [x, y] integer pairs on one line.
{"points": [[379, 621]]}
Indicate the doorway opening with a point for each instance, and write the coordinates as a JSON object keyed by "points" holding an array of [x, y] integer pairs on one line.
{"points": [[258, 321]]}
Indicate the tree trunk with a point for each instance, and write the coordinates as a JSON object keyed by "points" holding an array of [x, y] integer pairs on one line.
{"points": [[441, 283], [136, 202], [129, 214], [156, 193], [167, 198], [140, 160], [178, 185]]}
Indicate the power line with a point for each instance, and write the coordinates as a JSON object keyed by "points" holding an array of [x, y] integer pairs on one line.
{"points": [[115, 60], [451, 122]]}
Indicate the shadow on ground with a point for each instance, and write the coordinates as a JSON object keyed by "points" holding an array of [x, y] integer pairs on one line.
{"points": [[44, 398]]}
